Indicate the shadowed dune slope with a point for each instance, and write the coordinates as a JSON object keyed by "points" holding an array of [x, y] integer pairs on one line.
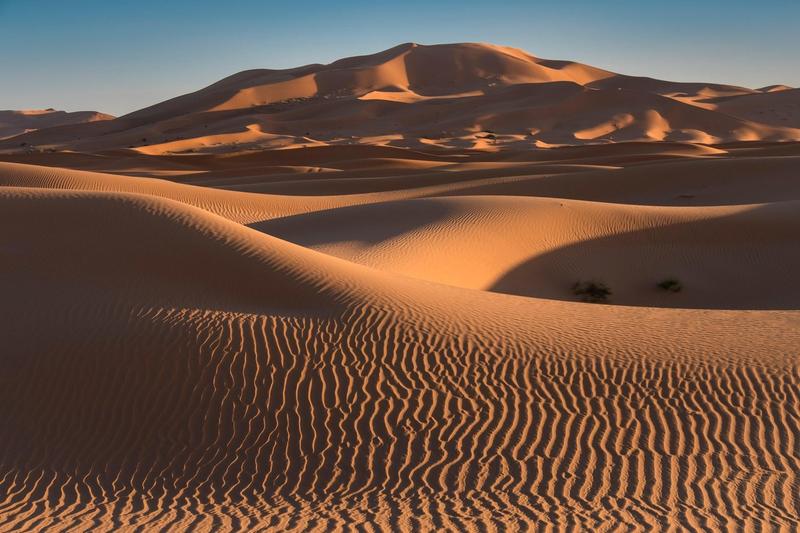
{"points": [[452, 96], [677, 182], [240, 207], [725, 257], [340, 298], [781, 108], [181, 371], [16, 122]]}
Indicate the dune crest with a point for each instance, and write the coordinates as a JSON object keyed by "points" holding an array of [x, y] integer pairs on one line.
{"points": [[437, 288], [452, 96], [282, 406], [13, 123]]}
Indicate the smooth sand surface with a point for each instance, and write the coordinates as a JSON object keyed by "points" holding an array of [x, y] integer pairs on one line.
{"points": [[367, 336], [14, 123]]}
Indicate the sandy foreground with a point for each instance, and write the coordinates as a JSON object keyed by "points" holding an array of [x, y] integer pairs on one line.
{"points": [[375, 336]]}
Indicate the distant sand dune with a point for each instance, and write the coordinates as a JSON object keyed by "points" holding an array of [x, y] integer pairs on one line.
{"points": [[454, 96], [14, 123]]}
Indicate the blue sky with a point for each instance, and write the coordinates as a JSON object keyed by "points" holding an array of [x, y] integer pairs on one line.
{"points": [[117, 56]]}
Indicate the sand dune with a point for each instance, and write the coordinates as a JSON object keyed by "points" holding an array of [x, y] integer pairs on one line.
{"points": [[17, 122], [205, 375], [340, 297], [731, 257], [776, 107], [270, 395], [468, 95]]}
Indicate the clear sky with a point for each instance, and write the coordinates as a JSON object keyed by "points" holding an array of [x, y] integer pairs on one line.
{"points": [[118, 55]]}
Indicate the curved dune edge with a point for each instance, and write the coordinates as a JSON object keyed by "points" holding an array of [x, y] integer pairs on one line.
{"points": [[291, 390], [422, 225], [449, 96], [339, 297], [14, 123], [725, 257]]}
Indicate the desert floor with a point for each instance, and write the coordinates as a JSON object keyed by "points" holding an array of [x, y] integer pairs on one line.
{"points": [[379, 338]]}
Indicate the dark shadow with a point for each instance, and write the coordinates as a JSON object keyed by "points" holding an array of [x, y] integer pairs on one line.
{"points": [[694, 182], [356, 223], [748, 260]]}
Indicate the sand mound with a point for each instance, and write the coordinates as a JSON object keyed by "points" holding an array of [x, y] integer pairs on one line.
{"points": [[160, 247], [370, 326], [454, 96], [203, 375], [237, 206], [16, 122], [667, 181], [778, 107], [541, 247]]}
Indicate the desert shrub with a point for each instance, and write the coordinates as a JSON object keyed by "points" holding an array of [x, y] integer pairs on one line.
{"points": [[591, 291], [670, 285]]}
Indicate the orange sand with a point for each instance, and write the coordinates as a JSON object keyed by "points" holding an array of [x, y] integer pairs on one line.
{"points": [[376, 331]]}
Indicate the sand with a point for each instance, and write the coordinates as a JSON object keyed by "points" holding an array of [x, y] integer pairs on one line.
{"points": [[383, 336], [13, 123], [462, 96]]}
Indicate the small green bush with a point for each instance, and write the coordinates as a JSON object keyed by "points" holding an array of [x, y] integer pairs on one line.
{"points": [[591, 291], [670, 285]]}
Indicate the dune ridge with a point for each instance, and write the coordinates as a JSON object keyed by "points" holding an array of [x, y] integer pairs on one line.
{"points": [[453, 96], [246, 411], [342, 297], [539, 247], [13, 123]]}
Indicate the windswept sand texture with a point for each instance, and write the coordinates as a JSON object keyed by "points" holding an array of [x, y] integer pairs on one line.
{"points": [[381, 334]]}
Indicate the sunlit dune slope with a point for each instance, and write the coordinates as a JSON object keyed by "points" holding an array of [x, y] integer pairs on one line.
{"points": [[725, 257], [197, 374], [453, 96], [343, 298]]}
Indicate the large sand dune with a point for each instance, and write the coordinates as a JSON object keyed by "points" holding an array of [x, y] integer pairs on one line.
{"points": [[380, 335], [732, 257], [13, 123], [455, 95]]}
